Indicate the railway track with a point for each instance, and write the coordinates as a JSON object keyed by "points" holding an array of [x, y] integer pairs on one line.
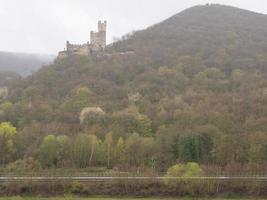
{"points": [[110, 178]]}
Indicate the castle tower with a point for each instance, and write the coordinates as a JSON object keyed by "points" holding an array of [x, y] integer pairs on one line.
{"points": [[68, 45], [98, 39], [102, 31]]}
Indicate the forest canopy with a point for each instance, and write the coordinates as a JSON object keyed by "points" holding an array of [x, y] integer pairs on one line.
{"points": [[195, 91]]}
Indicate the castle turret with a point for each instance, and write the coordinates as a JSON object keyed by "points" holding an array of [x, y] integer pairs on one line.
{"points": [[102, 26]]}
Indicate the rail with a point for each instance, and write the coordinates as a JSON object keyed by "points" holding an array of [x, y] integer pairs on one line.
{"points": [[109, 178]]}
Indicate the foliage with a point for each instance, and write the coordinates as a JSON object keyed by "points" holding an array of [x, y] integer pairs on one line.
{"points": [[52, 150], [185, 170], [195, 91], [28, 165], [83, 150], [182, 172], [7, 148]]}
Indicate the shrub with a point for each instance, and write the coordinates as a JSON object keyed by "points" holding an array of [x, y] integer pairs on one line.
{"points": [[23, 166], [185, 170], [179, 174]]}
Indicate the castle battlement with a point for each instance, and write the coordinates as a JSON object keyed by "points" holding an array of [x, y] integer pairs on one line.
{"points": [[97, 43]]}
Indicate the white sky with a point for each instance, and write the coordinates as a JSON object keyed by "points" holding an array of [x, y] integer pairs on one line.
{"points": [[43, 26]]}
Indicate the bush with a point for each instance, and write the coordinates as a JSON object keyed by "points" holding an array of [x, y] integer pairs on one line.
{"points": [[183, 172], [28, 165]]}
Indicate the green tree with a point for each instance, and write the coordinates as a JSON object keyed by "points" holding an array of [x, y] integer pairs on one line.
{"points": [[164, 141], [145, 126], [109, 143], [175, 148], [211, 78], [132, 150], [83, 150], [120, 151], [257, 151], [191, 149], [237, 76], [52, 150], [7, 148], [79, 99], [148, 152], [101, 153]]}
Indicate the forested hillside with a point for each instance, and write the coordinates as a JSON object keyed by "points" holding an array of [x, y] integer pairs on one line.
{"points": [[23, 64], [7, 77], [195, 91], [220, 36]]}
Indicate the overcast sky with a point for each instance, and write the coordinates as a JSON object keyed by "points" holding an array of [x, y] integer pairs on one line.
{"points": [[43, 26]]}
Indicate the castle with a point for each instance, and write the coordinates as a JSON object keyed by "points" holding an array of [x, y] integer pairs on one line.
{"points": [[97, 43]]}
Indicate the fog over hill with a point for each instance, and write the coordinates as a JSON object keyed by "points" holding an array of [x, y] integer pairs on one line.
{"points": [[22, 63]]}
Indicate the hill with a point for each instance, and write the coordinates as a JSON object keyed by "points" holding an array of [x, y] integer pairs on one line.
{"points": [[196, 91], [23, 64], [221, 36]]}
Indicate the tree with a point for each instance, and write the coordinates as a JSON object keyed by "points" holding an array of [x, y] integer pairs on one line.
{"points": [[7, 148], [164, 140], [132, 150], [101, 153], [93, 143], [145, 126], [79, 99], [120, 151], [109, 143], [148, 152], [237, 76], [211, 78], [52, 150], [257, 151], [83, 150], [191, 149], [175, 148], [209, 137], [47, 153]]}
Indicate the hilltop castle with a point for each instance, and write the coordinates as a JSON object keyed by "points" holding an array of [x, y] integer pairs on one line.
{"points": [[97, 43]]}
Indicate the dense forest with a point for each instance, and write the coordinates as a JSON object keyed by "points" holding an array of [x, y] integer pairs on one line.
{"points": [[194, 91]]}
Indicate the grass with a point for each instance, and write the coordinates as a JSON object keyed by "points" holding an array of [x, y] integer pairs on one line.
{"points": [[102, 198]]}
